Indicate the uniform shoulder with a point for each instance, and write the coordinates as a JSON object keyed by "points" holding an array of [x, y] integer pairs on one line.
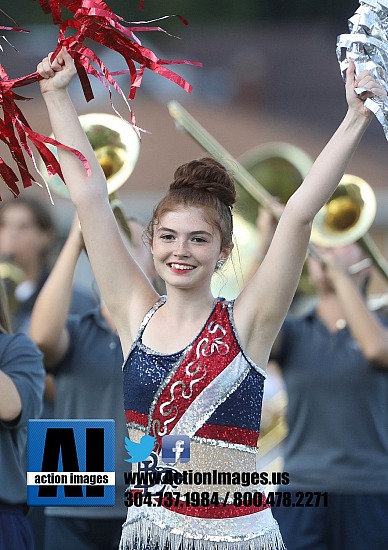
{"points": [[18, 341]]}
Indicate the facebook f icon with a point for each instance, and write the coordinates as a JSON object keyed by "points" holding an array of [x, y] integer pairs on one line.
{"points": [[175, 448]]}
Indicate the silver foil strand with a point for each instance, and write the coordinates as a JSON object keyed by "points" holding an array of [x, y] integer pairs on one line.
{"points": [[367, 46], [143, 534]]}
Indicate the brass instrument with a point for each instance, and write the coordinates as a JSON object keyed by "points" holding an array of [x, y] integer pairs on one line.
{"points": [[10, 271], [345, 218], [280, 168], [116, 146], [12, 276], [347, 215], [269, 455]]}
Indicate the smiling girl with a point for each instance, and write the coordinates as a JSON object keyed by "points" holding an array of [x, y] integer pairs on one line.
{"points": [[196, 365]]}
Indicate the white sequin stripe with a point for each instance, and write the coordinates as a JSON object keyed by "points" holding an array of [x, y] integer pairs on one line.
{"points": [[211, 397], [224, 444], [172, 531]]}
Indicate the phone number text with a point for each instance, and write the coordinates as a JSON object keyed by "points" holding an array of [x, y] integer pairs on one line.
{"points": [[205, 498]]}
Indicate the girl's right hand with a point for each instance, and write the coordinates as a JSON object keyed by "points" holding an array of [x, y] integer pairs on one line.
{"points": [[58, 73]]}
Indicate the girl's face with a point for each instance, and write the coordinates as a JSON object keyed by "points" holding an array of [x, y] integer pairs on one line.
{"points": [[186, 248]]}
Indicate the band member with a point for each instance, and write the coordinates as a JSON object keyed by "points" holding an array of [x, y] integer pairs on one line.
{"points": [[27, 241], [27, 238], [196, 364], [334, 362], [21, 393]]}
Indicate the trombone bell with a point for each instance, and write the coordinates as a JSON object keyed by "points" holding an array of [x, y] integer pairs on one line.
{"points": [[342, 213], [347, 215]]}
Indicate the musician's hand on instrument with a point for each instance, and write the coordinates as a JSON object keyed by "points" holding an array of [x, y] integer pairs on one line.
{"points": [[363, 80], [57, 73], [333, 264]]}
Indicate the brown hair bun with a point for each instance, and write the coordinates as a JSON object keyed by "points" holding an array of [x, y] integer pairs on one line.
{"points": [[207, 175]]}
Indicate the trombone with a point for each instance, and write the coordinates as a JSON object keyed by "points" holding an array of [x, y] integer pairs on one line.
{"points": [[346, 217]]}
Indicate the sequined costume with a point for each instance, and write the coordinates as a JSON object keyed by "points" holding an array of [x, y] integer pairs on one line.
{"points": [[212, 392]]}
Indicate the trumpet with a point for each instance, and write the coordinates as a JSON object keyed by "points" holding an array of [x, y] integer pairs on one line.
{"points": [[346, 217]]}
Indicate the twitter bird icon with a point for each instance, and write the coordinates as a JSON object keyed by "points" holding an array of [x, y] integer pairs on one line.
{"points": [[139, 451]]}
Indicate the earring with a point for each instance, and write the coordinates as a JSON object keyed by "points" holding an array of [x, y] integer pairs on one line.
{"points": [[220, 263]]}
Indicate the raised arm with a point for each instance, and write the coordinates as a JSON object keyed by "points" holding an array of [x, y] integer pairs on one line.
{"points": [[126, 291], [51, 308], [262, 305]]}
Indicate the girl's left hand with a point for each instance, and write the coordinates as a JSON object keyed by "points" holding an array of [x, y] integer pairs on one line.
{"points": [[363, 80]]}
